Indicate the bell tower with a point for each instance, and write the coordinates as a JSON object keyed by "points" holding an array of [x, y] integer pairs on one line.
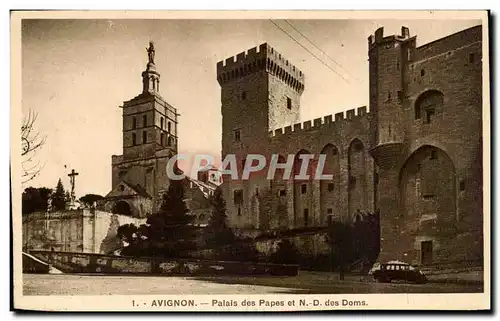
{"points": [[149, 141]]}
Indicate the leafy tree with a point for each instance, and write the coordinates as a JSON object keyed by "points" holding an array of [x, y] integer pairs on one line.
{"points": [[170, 232], [366, 232], [243, 250], [126, 232], [89, 199], [59, 197], [35, 199], [218, 234], [286, 253], [340, 239]]}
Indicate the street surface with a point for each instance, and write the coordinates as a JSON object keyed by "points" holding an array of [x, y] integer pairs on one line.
{"points": [[305, 283]]}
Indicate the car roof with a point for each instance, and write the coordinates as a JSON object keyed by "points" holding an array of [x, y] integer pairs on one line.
{"points": [[397, 262]]}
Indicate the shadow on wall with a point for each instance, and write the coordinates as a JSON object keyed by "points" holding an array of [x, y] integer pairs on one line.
{"points": [[111, 241]]}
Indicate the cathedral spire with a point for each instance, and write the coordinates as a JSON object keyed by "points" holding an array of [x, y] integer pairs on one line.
{"points": [[150, 77]]}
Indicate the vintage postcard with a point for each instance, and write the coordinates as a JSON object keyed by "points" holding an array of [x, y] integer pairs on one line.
{"points": [[250, 161]]}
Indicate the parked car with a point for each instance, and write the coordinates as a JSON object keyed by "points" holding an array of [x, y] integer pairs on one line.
{"points": [[398, 271]]}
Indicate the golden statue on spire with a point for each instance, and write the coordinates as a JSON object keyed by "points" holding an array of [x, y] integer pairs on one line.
{"points": [[151, 52]]}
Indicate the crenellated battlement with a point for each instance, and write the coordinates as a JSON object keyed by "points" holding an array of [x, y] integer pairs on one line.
{"points": [[329, 121], [257, 59], [379, 38]]}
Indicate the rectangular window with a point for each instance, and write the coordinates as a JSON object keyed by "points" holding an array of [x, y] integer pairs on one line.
{"points": [[429, 115], [282, 192], [471, 58], [144, 121], [329, 211], [352, 181], [306, 216], [237, 136], [244, 95], [426, 252], [288, 103], [256, 191], [238, 197], [462, 185], [239, 211], [400, 95], [168, 126], [161, 122], [144, 137], [134, 139], [428, 181], [434, 154], [330, 187], [134, 123], [303, 188]]}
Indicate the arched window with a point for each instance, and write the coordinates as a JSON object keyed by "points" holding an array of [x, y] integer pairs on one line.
{"points": [[144, 137], [134, 123], [169, 125], [144, 121], [428, 104], [161, 122], [134, 139]]}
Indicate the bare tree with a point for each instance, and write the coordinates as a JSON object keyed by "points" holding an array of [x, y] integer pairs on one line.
{"points": [[31, 142]]}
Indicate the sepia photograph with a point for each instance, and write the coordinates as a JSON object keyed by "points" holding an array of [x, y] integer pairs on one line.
{"points": [[250, 161]]}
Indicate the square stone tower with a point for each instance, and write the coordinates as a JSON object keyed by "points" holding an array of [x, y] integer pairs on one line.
{"points": [[139, 176], [260, 92]]}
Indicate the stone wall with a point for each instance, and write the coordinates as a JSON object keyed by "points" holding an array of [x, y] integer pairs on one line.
{"points": [[440, 207], [81, 230], [430, 192], [95, 263]]}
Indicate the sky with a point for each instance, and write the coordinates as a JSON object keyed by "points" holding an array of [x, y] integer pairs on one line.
{"points": [[76, 74]]}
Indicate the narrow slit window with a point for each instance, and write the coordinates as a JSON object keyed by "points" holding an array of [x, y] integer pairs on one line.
{"points": [[237, 136]]}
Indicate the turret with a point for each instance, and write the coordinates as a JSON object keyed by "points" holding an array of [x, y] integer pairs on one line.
{"points": [[388, 62]]}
